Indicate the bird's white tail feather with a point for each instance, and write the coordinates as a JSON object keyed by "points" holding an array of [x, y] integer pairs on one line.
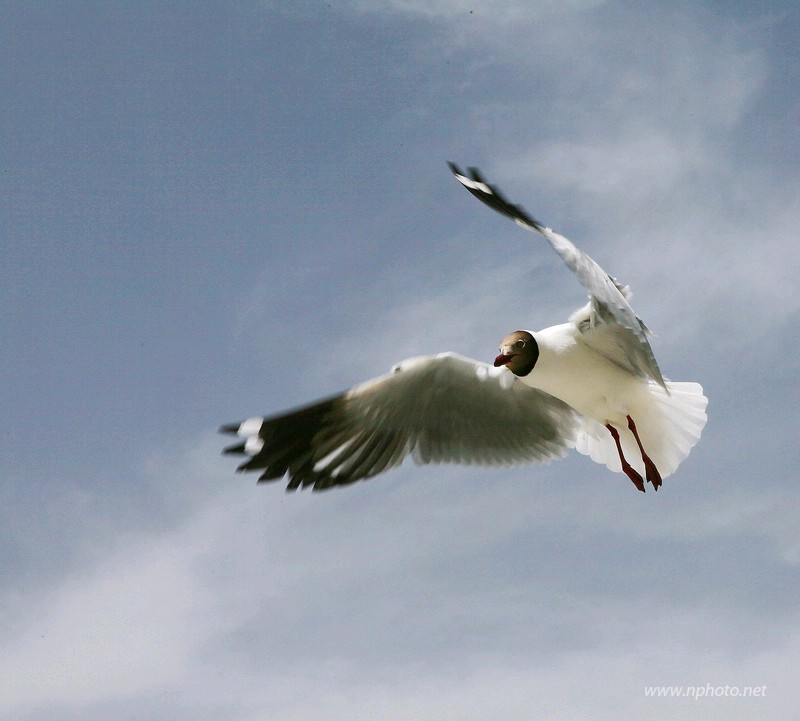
{"points": [[668, 426]]}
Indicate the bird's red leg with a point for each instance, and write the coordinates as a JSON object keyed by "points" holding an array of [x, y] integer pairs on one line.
{"points": [[631, 472], [649, 467]]}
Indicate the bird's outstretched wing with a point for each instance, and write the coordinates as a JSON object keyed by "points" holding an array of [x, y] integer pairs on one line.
{"points": [[443, 408], [609, 323]]}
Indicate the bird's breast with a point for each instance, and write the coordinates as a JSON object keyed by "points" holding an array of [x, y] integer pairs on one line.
{"points": [[577, 374]]}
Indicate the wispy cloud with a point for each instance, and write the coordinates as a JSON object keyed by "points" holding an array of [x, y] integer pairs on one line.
{"points": [[231, 608]]}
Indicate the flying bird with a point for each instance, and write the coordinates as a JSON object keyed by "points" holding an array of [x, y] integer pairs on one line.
{"points": [[591, 383]]}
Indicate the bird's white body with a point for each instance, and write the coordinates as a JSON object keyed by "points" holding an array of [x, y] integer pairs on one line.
{"points": [[574, 372], [669, 420]]}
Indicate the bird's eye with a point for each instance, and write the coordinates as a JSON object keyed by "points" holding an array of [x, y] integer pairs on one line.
{"points": [[520, 344]]}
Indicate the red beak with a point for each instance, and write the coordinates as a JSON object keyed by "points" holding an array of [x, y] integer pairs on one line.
{"points": [[502, 359]]}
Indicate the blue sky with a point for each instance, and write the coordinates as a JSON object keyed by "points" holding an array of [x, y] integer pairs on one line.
{"points": [[211, 211]]}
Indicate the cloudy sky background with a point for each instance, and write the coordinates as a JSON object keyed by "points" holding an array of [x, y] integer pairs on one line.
{"points": [[211, 211]]}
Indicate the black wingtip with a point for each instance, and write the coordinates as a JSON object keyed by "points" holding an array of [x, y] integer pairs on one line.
{"points": [[477, 176], [454, 168], [231, 429], [237, 450], [488, 194], [471, 173]]}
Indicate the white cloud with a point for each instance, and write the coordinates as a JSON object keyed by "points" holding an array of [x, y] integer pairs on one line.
{"points": [[125, 627], [468, 314], [496, 10], [632, 165], [581, 686], [433, 591], [126, 614]]}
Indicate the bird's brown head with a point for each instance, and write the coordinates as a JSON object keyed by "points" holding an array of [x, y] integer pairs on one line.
{"points": [[519, 352]]}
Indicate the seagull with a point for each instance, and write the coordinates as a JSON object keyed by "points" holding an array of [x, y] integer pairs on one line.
{"points": [[592, 384]]}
